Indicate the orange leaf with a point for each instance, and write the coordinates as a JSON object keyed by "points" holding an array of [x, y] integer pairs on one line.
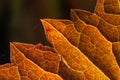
{"points": [[28, 68], [110, 32], [78, 62], [96, 47], [92, 44], [46, 59]]}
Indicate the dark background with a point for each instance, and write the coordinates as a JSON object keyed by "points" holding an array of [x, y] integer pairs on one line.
{"points": [[20, 20]]}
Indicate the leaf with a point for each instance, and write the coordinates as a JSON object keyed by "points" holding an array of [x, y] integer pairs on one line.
{"points": [[28, 68], [46, 59], [116, 50], [97, 48], [85, 16], [81, 66], [109, 17], [111, 32], [66, 28], [86, 48], [9, 73], [92, 43]]}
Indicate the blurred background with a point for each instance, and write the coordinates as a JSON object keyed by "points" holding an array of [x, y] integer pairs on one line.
{"points": [[20, 19]]}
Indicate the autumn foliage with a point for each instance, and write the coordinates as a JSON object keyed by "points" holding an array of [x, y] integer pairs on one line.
{"points": [[86, 47]]}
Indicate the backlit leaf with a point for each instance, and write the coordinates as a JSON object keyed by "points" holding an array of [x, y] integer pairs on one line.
{"points": [[46, 59], [77, 61], [111, 32], [28, 68]]}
